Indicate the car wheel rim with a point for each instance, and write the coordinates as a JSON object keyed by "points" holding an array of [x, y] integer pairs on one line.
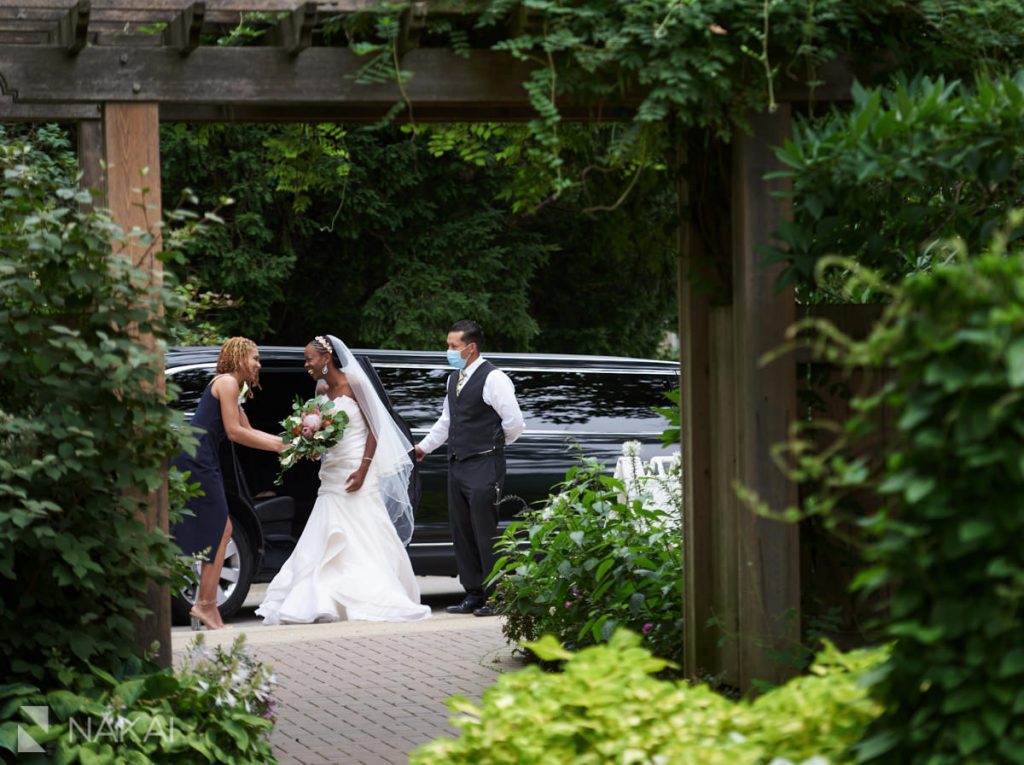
{"points": [[229, 576]]}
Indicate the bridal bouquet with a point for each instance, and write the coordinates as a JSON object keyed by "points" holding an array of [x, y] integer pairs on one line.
{"points": [[310, 430]]}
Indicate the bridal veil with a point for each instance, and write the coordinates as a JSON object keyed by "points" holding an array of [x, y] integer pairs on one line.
{"points": [[394, 465]]}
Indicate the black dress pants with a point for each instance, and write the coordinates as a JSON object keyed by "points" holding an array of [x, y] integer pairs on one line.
{"points": [[474, 490]]}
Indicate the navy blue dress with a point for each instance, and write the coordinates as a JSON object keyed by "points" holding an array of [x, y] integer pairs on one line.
{"points": [[203, 530]]}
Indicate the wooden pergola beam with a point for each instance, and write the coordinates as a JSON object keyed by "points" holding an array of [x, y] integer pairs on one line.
{"points": [[71, 32], [182, 33], [256, 76], [13, 112], [411, 25], [446, 113], [295, 31], [258, 84], [524, 20], [232, 6]]}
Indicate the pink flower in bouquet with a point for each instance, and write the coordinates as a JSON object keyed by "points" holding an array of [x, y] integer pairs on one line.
{"points": [[310, 430], [311, 424]]}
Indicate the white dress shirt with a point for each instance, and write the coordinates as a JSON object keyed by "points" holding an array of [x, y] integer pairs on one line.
{"points": [[499, 394]]}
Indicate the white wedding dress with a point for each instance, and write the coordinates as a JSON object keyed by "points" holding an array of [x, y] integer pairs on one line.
{"points": [[349, 562]]}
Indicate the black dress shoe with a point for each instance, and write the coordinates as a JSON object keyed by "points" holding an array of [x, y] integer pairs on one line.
{"points": [[485, 610], [467, 606]]}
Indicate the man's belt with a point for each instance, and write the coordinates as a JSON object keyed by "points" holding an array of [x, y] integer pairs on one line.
{"points": [[459, 458]]}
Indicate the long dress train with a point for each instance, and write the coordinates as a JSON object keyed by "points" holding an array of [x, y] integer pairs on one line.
{"points": [[349, 562]]}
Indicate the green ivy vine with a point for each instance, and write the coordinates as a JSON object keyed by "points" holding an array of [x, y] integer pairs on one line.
{"points": [[690, 67], [688, 64]]}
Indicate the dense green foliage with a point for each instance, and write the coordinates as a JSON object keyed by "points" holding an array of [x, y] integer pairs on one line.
{"points": [[953, 688], [708, 65], [889, 179], [84, 437], [216, 708], [945, 537], [606, 707], [600, 555], [387, 238], [83, 432], [689, 65]]}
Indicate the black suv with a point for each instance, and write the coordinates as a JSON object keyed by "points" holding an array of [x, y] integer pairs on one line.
{"points": [[593, 402]]}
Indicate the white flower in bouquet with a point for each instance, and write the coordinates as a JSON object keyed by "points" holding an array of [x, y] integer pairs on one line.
{"points": [[313, 427]]}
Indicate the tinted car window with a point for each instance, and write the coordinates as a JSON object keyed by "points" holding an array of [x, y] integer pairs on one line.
{"points": [[416, 394], [191, 384], [592, 401], [550, 400], [594, 410]]}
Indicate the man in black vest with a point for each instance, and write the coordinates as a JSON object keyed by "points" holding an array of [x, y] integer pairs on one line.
{"points": [[479, 417]]}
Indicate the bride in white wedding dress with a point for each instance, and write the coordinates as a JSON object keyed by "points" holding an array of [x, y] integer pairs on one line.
{"points": [[350, 562]]}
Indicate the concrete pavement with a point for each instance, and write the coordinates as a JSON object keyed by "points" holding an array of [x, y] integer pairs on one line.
{"points": [[369, 692]]}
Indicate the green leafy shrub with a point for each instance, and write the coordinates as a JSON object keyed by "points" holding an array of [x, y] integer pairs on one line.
{"points": [[589, 562], [710, 65], [899, 172], [84, 433], [946, 538], [606, 707], [217, 708], [949, 538]]}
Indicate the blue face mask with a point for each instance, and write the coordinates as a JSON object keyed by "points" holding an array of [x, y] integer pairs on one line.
{"points": [[455, 359]]}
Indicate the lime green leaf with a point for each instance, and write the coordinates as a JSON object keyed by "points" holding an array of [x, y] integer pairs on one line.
{"points": [[547, 649]]}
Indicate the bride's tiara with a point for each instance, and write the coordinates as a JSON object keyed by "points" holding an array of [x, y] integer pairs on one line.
{"points": [[322, 344]]}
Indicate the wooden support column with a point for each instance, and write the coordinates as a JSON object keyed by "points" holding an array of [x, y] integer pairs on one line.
{"points": [[699, 652], [725, 505], [90, 158], [708, 403], [769, 551], [131, 140]]}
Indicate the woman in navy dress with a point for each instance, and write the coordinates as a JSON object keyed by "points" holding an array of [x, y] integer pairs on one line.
{"points": [[219, 415]]}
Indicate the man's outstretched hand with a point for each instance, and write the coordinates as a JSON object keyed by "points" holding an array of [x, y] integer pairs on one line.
{"points": [[420, 454]]}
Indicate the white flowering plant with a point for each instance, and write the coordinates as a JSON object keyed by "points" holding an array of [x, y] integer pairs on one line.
{"points": [[313, 427], [218, 707], [233, 678], [591, 560], [656, 483]]}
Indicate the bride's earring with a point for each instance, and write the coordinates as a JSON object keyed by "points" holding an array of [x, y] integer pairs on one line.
{"points": [[324, 370]]}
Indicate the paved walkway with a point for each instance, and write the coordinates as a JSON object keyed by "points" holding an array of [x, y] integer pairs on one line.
{"points": [[365, 692]]}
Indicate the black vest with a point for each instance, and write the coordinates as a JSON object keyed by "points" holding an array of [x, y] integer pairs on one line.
{"points": [[473, 428]]}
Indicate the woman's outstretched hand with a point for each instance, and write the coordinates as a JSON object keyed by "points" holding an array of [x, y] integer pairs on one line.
{"points": [[355, 481]]}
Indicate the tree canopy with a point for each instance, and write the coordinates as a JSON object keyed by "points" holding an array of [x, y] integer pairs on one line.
{"points": [[387, 236]]}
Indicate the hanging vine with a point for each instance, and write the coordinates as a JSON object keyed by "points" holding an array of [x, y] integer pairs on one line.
{"points": [[704, 64]]}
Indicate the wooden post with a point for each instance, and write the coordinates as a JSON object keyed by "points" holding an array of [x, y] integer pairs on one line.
{"points": [[90, 158], [131, 140], [699, 642], [724, 585], [769, 551], [709, 439]]}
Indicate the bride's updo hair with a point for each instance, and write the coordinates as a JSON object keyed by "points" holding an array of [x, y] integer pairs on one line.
{"points": [[233, 356], [322, 344]]}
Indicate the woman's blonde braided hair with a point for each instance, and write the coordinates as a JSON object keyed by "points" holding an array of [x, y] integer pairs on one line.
{"points": [[233, 356]]}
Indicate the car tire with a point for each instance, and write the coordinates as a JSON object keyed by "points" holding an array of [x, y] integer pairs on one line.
{"points": [[235, 579]]}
